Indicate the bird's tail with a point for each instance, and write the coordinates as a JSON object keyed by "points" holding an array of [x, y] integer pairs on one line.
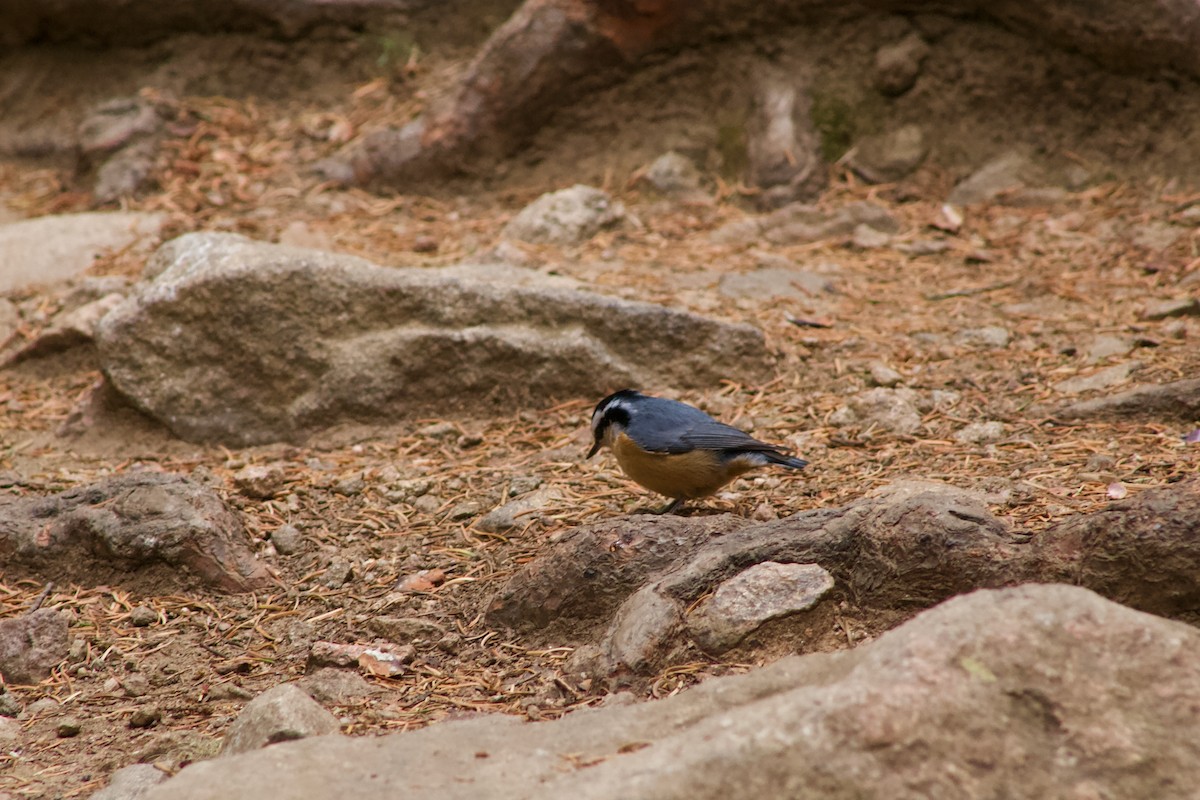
{"points": [[784, 460]]}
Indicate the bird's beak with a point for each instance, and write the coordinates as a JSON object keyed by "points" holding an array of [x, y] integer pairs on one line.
{"points": [[595, 449]]}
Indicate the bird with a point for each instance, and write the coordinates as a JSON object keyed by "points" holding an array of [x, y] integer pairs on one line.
{"points": [[675, 449]]}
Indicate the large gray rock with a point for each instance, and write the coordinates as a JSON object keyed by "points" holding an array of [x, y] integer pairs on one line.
{"points": [[1039, 691], [49, 249], [242, 342]]}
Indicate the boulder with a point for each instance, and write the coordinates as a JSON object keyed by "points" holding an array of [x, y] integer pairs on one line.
{"points": [[1026, 692], [241, 342]]}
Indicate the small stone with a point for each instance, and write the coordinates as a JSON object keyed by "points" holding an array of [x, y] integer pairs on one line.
{"points": [[978, 432], [351, 486], [1165, 309], [145, 717], [425, 580], [258, 481], [287, 540], [775, 282], [9, 705], [890, 156], [336, 687], [566, 217], [989, 336], [11, 734], [450, 643], [425, 244], [518, 513], [1110, 376], [867, 238], [764, 512], [1105, 346], [898, 65], [439, 430], [227, 691], [142, 616], [281, 714], [427, 504], [337, 573], [32, 645], [883, 375], [136, 684], [922, 247], [464, 510], [763, 592], [67, 728], [893, 410], [672, 174], [1004, 173], [403, 630]]}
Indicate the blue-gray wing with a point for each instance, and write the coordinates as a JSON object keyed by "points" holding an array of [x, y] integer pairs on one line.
{"points": [[667, 426]]}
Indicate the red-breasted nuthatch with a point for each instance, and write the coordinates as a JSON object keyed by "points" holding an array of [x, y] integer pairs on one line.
{"points": [[675, 449]]}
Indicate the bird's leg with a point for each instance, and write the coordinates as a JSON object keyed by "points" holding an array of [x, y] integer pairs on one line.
{"points": [[671, 506]]}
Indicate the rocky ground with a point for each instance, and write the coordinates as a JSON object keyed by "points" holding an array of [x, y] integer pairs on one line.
{"points": [[953, 324]]}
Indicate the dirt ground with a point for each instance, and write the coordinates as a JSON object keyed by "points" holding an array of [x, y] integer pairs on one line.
{"points": [[1055, 275]]}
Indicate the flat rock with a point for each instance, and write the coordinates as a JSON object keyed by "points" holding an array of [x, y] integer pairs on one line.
{"points": [[241, 342], [773, 282], [893, 410], [1003, 174], [49, 249], [763, 592], [992, 336], [798, 223], [566, 217], [1175, 400], [32, 645], [1105, 346], [985, 695], [977, 432], [280, 714], [518, 513], [1102, 379], [1165, 309]]}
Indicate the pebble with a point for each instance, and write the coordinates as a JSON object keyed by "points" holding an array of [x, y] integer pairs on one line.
{"points": [[989, 336], [136, 684], [287, 539], [258, 481], [145, 717], [883, 375], [142, 616], [427, 504], [1165, 309], [337, 573], [978, 432], [67, 728]]}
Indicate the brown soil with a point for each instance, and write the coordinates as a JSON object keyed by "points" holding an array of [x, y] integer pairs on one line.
{"points": [[1053, 275]]}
